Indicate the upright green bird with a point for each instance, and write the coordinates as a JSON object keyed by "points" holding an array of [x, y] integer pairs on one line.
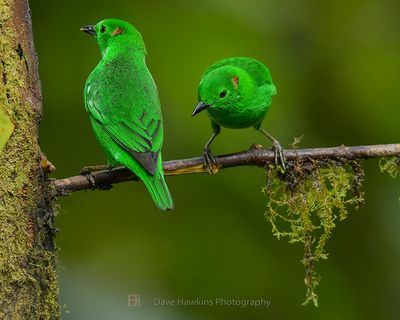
{"points": [[237, 93], [122, 100]]}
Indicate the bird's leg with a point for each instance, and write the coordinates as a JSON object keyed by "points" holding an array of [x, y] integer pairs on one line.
{"points": [[277, 148], [87, 172], [209, 160]]}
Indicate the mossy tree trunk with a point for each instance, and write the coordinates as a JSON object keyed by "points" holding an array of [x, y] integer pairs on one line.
{"points": [[28, 283]]}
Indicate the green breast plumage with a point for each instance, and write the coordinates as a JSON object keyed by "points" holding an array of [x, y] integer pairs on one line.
{"points": [[248, 113]]}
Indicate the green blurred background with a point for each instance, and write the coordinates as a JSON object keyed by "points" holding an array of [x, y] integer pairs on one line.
{"points": [[336, 66]]}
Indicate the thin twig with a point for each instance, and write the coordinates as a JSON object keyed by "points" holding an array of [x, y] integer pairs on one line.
{"points": [[252, 157]]}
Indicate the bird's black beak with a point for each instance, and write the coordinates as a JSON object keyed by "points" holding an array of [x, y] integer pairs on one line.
{"points": [[200, 107], [90, 29]]}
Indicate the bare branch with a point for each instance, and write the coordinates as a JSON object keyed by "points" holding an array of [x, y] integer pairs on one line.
{"points": [[252, 157]]}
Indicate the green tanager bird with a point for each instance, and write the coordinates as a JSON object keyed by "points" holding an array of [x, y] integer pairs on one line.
{"points": [[122, 100], [236, 93]]}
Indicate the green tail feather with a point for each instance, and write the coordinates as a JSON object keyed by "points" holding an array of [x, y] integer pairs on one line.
{"points": [[155, 184], [158, 190]]}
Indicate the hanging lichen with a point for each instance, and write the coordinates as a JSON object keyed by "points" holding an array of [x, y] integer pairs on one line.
{"points": [[305, 205], [390, 166]]}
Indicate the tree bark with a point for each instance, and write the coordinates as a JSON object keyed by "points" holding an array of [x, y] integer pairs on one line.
{"points": [[28, 282]]}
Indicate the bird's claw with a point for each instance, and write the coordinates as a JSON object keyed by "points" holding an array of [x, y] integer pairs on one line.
{"points": [[87, 172], [279, 158], [90, 179], [209, 161]]}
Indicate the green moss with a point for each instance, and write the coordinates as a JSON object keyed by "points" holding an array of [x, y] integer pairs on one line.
{"points": [[28, 286], [6, 128], [306, 205]]}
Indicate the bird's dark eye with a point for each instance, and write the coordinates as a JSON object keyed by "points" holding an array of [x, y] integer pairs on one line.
{"points": [[222, 94], [103, 29]]}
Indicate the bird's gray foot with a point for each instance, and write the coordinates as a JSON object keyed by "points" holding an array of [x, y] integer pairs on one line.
{"points": [[88, 170], [279, 157], [90, 179], [278, 150], [209, 161]]}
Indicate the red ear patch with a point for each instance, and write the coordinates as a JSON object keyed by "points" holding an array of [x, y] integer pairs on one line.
{"points": [[117, 32], [235, 81]]}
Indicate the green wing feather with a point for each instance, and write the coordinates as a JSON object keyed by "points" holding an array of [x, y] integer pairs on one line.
{"points": [[127, 120]]}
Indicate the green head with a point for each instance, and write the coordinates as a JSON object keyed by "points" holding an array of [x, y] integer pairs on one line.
{"points": [[115, 33], [223, 88]]}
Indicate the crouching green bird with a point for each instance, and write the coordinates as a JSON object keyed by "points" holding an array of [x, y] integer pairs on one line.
{"points": [[122, 100], [237, 93]]}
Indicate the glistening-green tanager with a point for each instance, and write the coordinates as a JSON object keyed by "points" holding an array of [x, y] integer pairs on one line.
{"points": [[122, 100], [237, 93]]}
